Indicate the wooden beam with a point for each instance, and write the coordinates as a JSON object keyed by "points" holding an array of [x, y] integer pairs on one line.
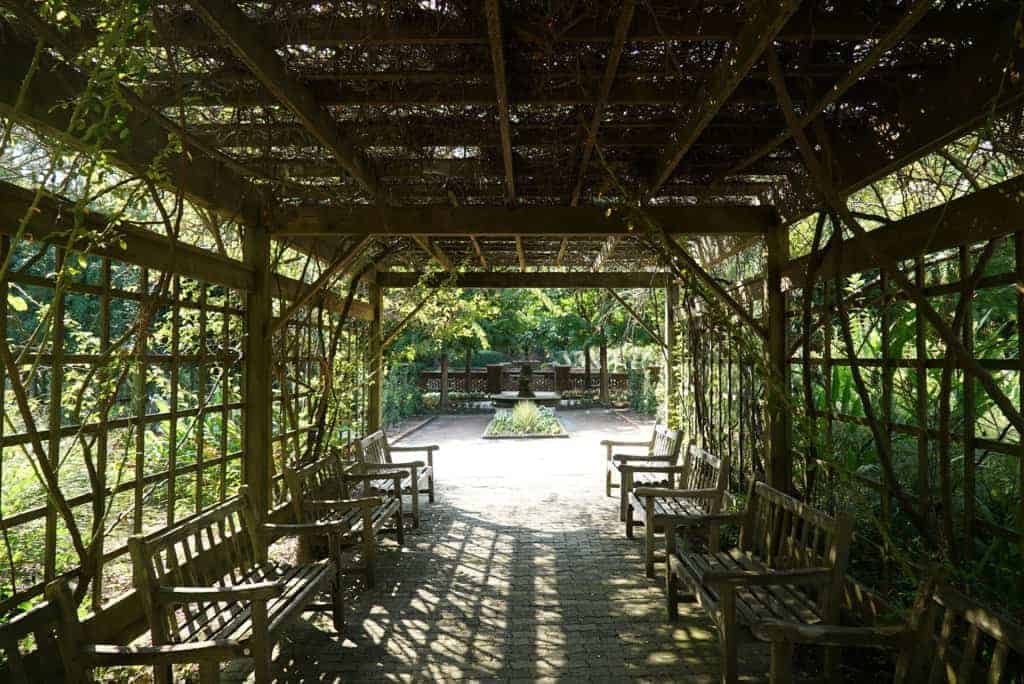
{"points": [[533, 279], [981, 216], [246, 40], [891, 38], [809, 25], [433, 251], [521, 253], [656, 336], [561, 252], [44, 108], [400, 326], [290, 289], [375, 358], [479, 252], [493, 12], [337, 268], [611, 68], [780, 455], [257, 440], [524, 221], [757, 34], [607, 249]]}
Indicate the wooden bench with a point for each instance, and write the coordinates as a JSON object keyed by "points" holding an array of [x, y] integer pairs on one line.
{"points": [[947, 638], [376, 454], [210, 594], [787, 553], [612, 446], [38, 624], [659, 467], [318, 492], [702, 490]]}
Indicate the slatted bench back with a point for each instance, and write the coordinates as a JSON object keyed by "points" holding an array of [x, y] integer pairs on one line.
{"points": [[215, 548], [957, 640], [21, 667], [321, 479], [374, 449], [666, 443], [705, 471]]}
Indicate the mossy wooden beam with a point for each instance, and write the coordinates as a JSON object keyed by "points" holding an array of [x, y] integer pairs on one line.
{"points": [[533, 279], [247, 41], [523, 221], [492, 10]]}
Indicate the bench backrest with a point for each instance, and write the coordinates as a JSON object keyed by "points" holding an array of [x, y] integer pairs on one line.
{"points": [[787, 534], [217, 547], [957, 640], [38, 623], [705, 470], [666, 442], [373, 449], [321, 479]]}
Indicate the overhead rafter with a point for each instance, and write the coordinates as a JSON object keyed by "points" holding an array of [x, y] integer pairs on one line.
{"points": [[433, 251], [337, 267], [249, 45], [523, 221], [757, 34], [532, 279], [607, 249], [614, 55], [493, 12], [521, 253], [909, 20]]}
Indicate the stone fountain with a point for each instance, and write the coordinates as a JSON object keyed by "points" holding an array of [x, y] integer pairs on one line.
{"points": [[526, 391]]}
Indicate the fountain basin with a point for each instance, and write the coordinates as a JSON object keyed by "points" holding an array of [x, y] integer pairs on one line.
{"points": [[510, 399]]}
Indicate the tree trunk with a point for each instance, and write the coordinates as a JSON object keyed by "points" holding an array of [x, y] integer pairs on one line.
{"points": [[444, 382], [469, 371], [586, 368], [604, 371]]}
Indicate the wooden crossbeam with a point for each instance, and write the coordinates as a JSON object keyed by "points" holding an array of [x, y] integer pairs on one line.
{"points": [[249, 45], [521, 253], [809, 25], [614, 55], [493, 12], [523, 221], [891, 38], [400, 326], [337, 267], [44, 108], [757, 34], [433, 251], [607, 249], [479, 252], [561, 252], [638, 318], [532, 279]]}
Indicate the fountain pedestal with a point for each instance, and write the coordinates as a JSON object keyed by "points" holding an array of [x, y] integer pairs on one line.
{"points": [[525, 392]]}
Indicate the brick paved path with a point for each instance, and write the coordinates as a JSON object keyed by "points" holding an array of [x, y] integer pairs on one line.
{"points": [[520, 571]]}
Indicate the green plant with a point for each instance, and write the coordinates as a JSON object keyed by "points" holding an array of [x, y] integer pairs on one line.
{"points": [[525, 419]]}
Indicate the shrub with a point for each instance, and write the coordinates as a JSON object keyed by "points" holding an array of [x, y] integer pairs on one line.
{"points": [[525, 419]]}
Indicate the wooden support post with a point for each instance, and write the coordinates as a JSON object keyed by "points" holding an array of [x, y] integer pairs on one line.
{"points": [[375, 358], [780, 456], [444, 382], [603, 351], [258, 449], [672, 415]]}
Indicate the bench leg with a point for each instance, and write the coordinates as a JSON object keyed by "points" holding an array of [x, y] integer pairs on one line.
{"points": [[629, 521], [782, 663], [415, 503], [649, 536], [400, 523], [608, 473], [209, 672], [430, 478], [259, 643], [730, 664], [369, 550], [625, 485], [338, 602], [671, 592]]}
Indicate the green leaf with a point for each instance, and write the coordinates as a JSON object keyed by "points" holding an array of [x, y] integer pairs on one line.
{"points": [[17, 303]]}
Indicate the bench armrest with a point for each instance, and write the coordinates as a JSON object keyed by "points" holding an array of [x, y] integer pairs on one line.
{"points": [[168, 654], [304, 529], [425, 447], [376, 475], [678, 493], [615, 443], [253, 591], [653, 468], [345, 504], [719, 518], [408, 464], [753, 578], [888, 636], [626, 458]]}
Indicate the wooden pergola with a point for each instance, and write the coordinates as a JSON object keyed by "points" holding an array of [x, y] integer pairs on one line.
{"points": [[515, 147]]}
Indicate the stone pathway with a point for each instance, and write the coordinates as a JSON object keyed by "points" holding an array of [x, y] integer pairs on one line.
{"points": [[520, 571]]}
